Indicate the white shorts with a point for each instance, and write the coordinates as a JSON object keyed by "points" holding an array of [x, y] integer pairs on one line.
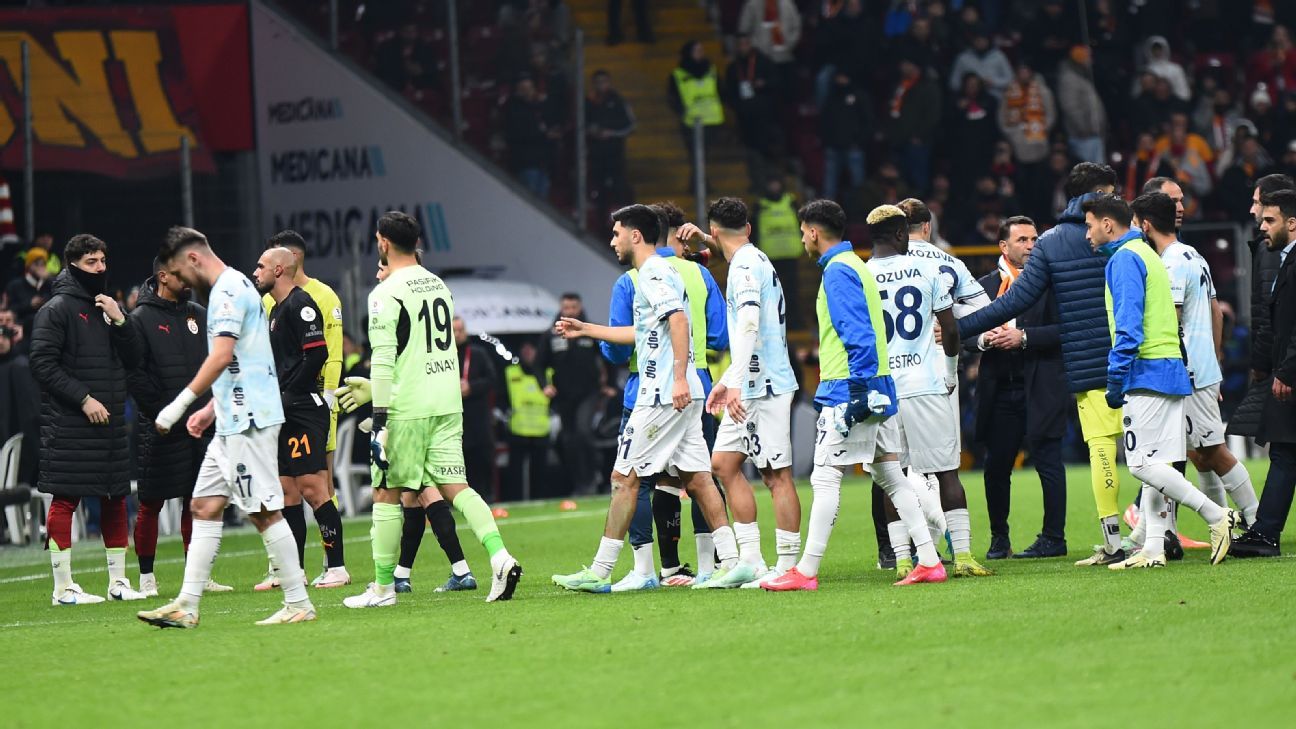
{"points": [[864, 443], [243, 468], [657, 439], [1154, 429], [930, 426], [1202, 417], [766, 436]]}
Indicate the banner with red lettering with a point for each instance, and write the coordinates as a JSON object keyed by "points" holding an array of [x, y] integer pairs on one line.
{"points": [[114, 91]]}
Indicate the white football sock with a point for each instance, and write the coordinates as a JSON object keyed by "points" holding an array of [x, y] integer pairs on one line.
{"points": [[116, 564], [927, 490], [726, 546], [282, 548], [1237, 482], [1172, 517], [825, 482], [401, 572], [1173, 485], [204, 545], [460, 568], [606, 557], [1213, 486], [748, 536], [888, 475], [643, 560], [899, 536], [788, 548], [705, 553], [1154, 513], [960, 529], [61, 564]]}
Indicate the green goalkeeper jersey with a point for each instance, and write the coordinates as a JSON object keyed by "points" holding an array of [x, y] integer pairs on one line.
{"points": [[415, 364]]}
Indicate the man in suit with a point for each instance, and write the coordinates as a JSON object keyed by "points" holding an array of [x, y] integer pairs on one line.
{"points": [[1278, 414], [1021, 397]]}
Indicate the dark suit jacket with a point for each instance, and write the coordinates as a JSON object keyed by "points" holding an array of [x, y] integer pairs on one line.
{"points": [[1278, 422], [1039, 367]]}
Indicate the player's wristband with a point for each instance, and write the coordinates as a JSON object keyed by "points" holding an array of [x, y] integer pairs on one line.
{"points": [[379, 420], [381, 390]]}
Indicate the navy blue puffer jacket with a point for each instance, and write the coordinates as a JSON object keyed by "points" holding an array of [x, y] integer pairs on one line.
{"points": [[1063, 260]]}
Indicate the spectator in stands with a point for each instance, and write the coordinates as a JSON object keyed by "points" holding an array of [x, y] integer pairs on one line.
{"points": [[1249, 163], [28, 293], [919, 44], [1288, 164], [1156, 51], [643, 23], [1242, 131], [405, 62], [1048, 36], [986, 61], [80, 342], [886, 187], [1026, 117], [694, 93], [45, 242], [1189, 157], [1154, 104], [551, 87], [775, 29], [845, 127], [842, 43], [1216, 117], [777, 231], [609, 121], [1142, 165], [529, 138], [1275, 64], [550, 22], [1083, 115], [913, 116], [973, 131], [1284, 124], [751, 89]]}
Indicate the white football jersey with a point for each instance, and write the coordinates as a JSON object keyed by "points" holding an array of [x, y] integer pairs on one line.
{"points": [[967, 294], [753, 282], [1192, 288], [912, 291], [659, 293]]}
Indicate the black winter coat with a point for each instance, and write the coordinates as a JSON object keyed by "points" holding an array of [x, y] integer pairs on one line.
{"points": [[1260, 415], [76, 352], [1264, 270], [172, 339]]}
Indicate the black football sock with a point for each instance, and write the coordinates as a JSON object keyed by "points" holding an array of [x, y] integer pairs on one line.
{"points": [[443, 526], [330, 526], [666, 516], [295, 515], [411, 536], [145, 564]]}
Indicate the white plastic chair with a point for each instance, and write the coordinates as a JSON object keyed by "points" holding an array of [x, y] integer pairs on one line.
{"points": [[350, 476], [15, 516]]}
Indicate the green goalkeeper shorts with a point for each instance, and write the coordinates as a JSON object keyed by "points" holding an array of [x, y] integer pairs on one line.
{"points": [[423, 452]]}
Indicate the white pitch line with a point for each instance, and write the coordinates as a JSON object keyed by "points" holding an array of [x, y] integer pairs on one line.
{"points": [[537, 519]]}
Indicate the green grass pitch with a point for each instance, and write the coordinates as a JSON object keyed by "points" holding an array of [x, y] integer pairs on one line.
{"points": [[1042, 644]]}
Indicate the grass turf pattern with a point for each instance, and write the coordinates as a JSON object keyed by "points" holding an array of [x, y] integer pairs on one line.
{"points": [[1042, 644]]}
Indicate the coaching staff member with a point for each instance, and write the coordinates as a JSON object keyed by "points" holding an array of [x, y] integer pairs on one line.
{"points": [[1021, 397]]}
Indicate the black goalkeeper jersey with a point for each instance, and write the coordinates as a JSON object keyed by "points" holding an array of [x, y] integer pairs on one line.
{"points": [[297, 340]]}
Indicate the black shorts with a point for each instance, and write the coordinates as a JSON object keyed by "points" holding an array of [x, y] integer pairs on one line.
{"points": [[303, 436]]}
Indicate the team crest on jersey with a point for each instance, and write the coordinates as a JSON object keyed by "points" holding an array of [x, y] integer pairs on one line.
{"points": [[241, 468], [337, 313], [192, 324], [308, 314], [375, 306], [1128, 421], [629, 431]]}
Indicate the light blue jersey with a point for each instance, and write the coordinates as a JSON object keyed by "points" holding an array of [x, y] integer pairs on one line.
{"points": [[247, 392], [1192, 288], [913, 290], [753, 282], [963, 287], [659, 294]]}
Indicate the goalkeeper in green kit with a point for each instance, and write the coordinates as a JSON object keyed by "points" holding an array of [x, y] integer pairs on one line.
{"points": [[416, 437]]}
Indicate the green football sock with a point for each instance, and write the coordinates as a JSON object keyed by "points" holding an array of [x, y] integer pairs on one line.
{"points": [[385, 535], [470, 504]]}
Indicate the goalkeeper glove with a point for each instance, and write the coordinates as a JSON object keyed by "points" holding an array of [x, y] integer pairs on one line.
{"points": [[355, 392], [378, 441]]}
